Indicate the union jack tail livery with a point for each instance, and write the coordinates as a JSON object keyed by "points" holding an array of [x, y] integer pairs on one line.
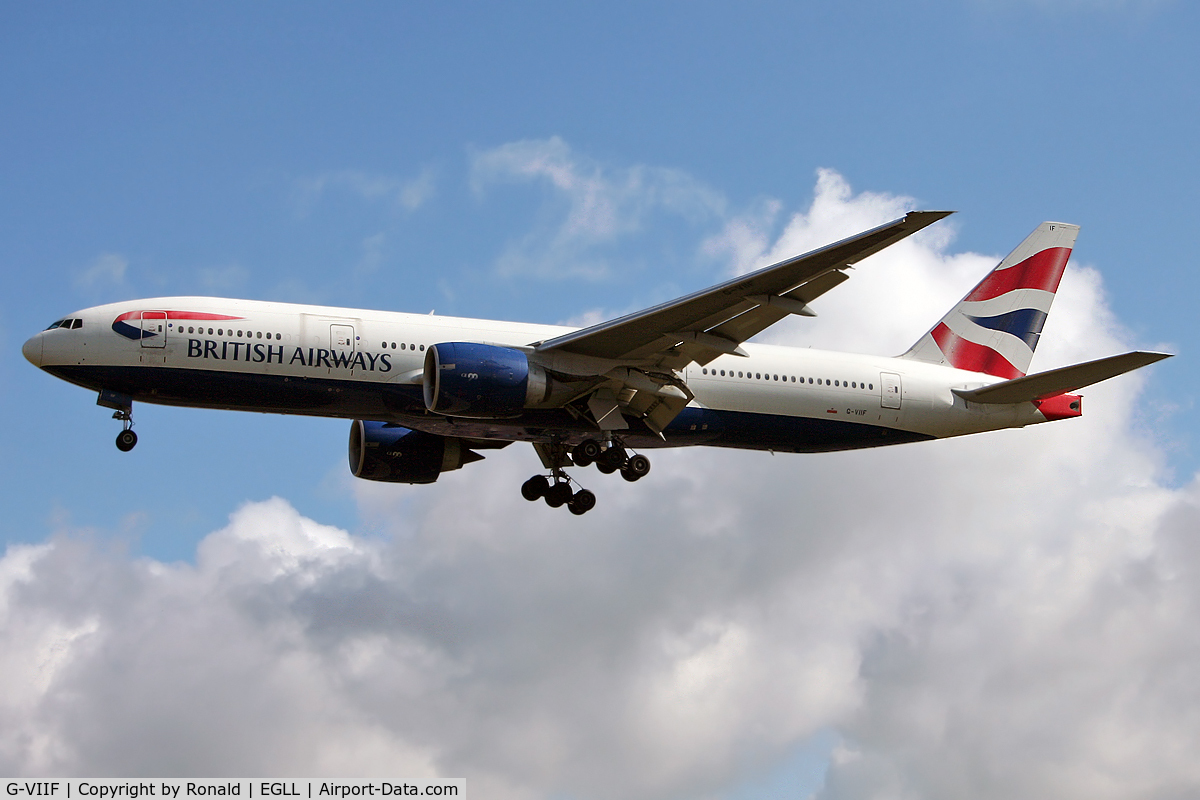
{"points": [[995, 328]]}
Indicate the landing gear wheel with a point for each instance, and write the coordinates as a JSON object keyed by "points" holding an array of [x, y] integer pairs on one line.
{"points": [[614, 457], [558, 495], [583, 502], [126, 439], [635, 468], [535, 488], [586, 452], [605, 467]]}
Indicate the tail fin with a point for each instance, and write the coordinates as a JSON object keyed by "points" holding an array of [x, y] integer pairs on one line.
{"points": [[995, 328]]}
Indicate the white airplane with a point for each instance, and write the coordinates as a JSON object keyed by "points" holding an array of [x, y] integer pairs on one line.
{"points": [[427, 392]]}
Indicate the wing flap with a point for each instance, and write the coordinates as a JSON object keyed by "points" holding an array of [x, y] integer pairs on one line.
{"points": [[649, 332], [1059, 381], [762, 315]]}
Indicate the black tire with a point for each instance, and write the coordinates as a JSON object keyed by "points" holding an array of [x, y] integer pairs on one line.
{"points": [[558, 495], [629, 474], [586, 452], [638, 466], [605, 467], [614, 457], [583, 502], [126, 440], [534, 488]]}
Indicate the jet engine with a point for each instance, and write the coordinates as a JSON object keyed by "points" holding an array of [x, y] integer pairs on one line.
{"points": [[485, 381], [382, 451]]}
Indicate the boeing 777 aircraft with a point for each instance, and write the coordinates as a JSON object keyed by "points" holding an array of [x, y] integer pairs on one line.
{"points": [[427, 393]]}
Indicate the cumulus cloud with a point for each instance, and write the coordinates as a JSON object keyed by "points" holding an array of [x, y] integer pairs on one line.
{"points": [[1010, 614], [591, 204]]}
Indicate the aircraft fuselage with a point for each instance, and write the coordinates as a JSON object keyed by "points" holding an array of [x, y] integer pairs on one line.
{"points": [[357, 364]]}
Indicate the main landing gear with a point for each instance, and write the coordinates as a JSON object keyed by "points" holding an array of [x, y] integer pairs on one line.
{"points": [[611, 459], [559, 493], [556, 489]]}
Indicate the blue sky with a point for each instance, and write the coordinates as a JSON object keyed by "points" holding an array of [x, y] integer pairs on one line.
{"points": [[412, 157]]}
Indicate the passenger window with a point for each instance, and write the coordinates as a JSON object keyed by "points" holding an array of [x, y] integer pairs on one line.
{"points": [[422, 348]]}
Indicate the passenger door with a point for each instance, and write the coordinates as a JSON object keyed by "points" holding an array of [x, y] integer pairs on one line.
{"points": [[154, 329]]}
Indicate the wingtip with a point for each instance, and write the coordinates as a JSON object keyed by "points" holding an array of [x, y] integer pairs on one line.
{"points": [[924, 218]]}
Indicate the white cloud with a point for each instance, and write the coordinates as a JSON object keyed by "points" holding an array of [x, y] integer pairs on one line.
{"points": [[1011, 614], [592, 205], [107, 270], [402, 194]]}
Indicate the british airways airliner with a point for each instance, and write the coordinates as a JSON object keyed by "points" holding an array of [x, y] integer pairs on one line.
{"points": [[427, 393]]}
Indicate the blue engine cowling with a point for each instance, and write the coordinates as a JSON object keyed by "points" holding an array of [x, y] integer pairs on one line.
{"points": [[463, 379], [381, 451]]}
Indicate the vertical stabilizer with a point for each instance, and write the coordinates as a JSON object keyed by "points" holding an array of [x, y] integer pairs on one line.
{"points": [[995, 328]]}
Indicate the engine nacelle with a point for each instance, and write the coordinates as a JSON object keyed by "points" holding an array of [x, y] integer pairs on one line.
{"points": [[485, 381], [381, 451]]}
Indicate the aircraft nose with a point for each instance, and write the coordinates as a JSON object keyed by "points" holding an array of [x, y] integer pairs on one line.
{"points": [[32, 350]]}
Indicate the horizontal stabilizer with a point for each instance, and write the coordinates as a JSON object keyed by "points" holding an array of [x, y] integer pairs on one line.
{"points": [[1059, 381]]}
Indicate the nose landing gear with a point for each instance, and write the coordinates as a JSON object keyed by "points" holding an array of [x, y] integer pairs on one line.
{"points": [[123, 410]]}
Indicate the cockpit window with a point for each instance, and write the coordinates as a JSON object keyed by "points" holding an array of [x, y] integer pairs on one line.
{"points": [[76, 324], [57, 324]]}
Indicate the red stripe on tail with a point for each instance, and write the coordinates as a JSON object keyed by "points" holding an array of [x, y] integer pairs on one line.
{"points": [[1041, 270], [964, 354]]}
